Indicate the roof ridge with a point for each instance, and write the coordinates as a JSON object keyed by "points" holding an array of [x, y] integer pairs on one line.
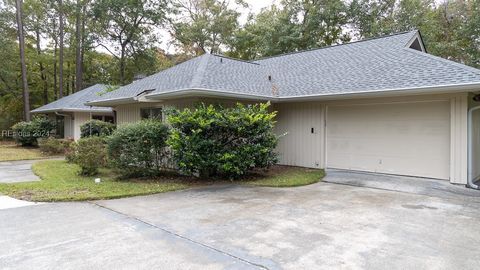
{"points": [[235, 59], [197, 77], [337, 45], [448, 61]]}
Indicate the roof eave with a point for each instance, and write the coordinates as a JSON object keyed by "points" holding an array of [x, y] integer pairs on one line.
{"points": [[206, 93], [106, 110], [441, 89], [111, 102]]}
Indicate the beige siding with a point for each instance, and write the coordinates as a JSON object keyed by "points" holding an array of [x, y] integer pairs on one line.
{"points": [[409, 138], [68, 127], [302, 148], [475, 138], [299, 146], [130, 113], [80, 118]]}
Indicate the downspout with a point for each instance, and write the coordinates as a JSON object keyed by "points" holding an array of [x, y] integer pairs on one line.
{"points": [[470, 179]]}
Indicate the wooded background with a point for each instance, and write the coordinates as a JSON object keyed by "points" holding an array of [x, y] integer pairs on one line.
{"points": [[72, 44]]}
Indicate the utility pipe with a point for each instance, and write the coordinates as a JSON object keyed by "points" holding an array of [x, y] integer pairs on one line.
{"points": [[470, 179]]}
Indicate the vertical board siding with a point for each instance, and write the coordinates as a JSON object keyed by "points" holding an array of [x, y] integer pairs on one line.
{"points": [[68, 127], [80, 118], [299, 147], [459, 139], [476, 144]]}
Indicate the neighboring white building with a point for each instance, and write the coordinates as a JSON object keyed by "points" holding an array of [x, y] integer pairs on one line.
{"points": [[70, 112], [379, 105]]}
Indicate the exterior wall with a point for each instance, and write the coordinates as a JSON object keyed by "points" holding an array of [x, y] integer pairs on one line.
{"points": [[475, 129], [79, 119], [302, 148], [68, 127], [130, 113], [299, 146]]}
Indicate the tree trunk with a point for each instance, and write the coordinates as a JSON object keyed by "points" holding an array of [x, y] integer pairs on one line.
{"points": [[78, 48], [21, 42], [43, 76], [60, 71], [122, 65], [55, 48]]}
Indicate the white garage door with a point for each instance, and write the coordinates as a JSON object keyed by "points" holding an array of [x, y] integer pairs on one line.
{"points": [[399, 138]]}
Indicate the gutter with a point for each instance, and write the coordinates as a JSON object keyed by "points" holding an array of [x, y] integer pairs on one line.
{"points": [[470, 180], [207, 92], [109, 102]]}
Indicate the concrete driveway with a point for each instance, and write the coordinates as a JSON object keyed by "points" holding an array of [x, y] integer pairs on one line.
{"points": [[345, 222]]}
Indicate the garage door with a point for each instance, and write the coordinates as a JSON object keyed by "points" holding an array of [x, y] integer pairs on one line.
{"points": [[399, 138]]}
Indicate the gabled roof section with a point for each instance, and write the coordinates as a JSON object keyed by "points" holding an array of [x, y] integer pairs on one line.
{"points": [[380, 64], [209, 71], [76, 101], [384, 64]]}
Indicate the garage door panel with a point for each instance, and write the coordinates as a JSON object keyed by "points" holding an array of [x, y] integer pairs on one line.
{"points": [[400, 138]]}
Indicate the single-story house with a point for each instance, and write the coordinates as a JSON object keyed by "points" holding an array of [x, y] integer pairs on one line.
{"points": [[378, 105], [70, 112]]}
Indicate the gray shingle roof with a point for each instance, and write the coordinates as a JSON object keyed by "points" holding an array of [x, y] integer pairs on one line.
{"points": [[76, 101], [380, 64]]}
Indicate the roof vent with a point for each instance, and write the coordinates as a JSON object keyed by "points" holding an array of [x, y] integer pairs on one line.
{"points": [[221, 60], [270, 78], [139, 76]]}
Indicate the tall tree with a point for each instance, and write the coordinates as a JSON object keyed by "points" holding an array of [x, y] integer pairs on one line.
{"points": [[78, 44], [21, 43], [61, 44], [204, 25], [128, 25]]}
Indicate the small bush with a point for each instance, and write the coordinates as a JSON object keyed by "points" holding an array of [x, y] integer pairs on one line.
{"points": [[96, 128], [27, 133], [89, 154], [139, 149], [216, 141], [53, 146]]}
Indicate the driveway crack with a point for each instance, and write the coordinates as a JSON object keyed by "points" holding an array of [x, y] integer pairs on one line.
{"points": [[182, 237]]}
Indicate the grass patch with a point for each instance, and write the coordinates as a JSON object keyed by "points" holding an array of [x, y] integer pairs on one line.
{"points": [[286, 176], [61, 182], [11, 152]]}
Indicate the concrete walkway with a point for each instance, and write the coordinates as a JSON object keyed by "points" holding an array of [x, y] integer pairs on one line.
{"points": [[17, 171]]}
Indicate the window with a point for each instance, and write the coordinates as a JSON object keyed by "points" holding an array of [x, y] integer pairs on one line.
{"points": [[151, 113], [104, 118]]}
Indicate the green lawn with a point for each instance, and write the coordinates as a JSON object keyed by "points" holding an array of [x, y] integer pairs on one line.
{"points": [[61, 182], [10, 152], [285, 176]]}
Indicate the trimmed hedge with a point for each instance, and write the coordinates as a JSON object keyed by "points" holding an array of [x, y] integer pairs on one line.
{"points": [[27, 133], [88, 153], [139, 149], [96, 128], [217, 141], [53, 146]]}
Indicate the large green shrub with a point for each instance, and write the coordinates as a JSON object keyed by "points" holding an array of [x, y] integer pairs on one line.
{"points": [[139, 149], [90, 154], [27, 133], [96, 128], [220, 141], [54, 146]]}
